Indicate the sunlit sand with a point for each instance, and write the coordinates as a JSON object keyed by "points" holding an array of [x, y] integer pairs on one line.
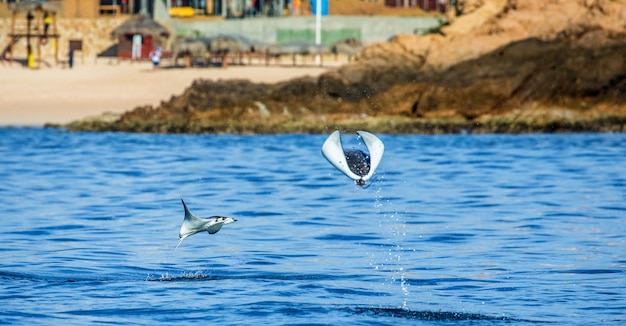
{"points": [[61, 95]]}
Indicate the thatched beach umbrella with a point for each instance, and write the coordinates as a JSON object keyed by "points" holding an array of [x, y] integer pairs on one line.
{"points": [[223, 45], [152, 35], [189, 48], [228, 43]]}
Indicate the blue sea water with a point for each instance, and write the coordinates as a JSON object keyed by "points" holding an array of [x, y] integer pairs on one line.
{"points": [[456, 229]]}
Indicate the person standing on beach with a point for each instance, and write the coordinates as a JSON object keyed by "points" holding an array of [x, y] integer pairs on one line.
{"points": [[155, 56], [136, 49], [30, 57], [70, 58]]}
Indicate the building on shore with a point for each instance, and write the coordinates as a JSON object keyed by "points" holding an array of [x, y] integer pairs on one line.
{"points": [[204, 8], [83, 8], [176, 8], [148, 32], [86, 25]]}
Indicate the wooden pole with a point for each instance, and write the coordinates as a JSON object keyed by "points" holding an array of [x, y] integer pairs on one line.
{"points": [[13, 16], [39, 53], [39, 29], [56, 38], [224, 60], [29, 49]]}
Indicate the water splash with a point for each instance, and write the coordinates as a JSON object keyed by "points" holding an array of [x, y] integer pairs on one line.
{"points": [[187, 276], [395, 224]]}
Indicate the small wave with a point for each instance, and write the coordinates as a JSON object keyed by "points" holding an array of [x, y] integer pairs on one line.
{"points": [[342, 237], [51, 278], [451, 237], [589, 271], [446, 316], [205, 276]]}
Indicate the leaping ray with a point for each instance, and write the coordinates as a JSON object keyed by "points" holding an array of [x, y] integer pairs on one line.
{"points": [[193, 224], [356, 164]]}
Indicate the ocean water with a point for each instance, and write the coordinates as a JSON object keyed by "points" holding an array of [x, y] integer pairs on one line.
{"points": [[458, 229]]}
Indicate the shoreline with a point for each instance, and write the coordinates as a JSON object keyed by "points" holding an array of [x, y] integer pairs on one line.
{"points": [[56, 95], [388, 124], [93, 95]]}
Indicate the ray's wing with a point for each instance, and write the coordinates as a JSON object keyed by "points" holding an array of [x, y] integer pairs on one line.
{"points": [[190, 224], [333, 152], [376, 148]]}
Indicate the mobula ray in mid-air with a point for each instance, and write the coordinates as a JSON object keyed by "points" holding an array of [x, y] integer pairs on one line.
{"points": [[356, 164], [193, 224]]}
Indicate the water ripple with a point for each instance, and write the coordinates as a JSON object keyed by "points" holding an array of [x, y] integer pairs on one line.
{"points": [[453, 229]]}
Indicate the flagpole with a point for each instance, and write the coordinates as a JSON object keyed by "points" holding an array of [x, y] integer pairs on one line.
{"points": [[318, 27]]}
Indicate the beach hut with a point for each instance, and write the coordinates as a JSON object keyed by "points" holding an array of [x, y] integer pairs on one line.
{"points": [[137, 36]]}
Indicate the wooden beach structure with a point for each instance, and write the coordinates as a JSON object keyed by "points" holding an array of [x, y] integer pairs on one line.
{"points": [[139, 27], [34, 21]]}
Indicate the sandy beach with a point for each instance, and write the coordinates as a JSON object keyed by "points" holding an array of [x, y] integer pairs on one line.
{"points": [[61, 95]]}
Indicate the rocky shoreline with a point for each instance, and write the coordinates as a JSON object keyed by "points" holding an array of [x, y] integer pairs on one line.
{"points": [[380, 125], [571, 80]]}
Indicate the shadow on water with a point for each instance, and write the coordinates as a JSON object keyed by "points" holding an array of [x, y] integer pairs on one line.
{"points": [[446, 316]]}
